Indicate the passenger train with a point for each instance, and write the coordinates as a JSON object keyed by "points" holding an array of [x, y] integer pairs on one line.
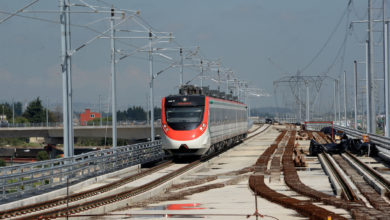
{"points": [[199, 121]]}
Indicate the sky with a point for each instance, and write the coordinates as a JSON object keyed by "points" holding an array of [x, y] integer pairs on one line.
{"points": [[260, 40]]}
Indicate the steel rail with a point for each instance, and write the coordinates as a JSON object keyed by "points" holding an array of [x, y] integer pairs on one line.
{"points": [[347, 191], [377, 176], [81, 195]]}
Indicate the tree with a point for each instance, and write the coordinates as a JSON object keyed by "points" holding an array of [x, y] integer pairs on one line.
{"points": [[36, 113], [8, 110], [18, 108], [135, 113]]}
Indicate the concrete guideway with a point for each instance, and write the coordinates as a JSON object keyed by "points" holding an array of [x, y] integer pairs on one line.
{"points": [[218, 188], [219, 191]]}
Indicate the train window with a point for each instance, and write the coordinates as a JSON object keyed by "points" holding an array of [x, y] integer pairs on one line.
{"points": [[184, 114]]}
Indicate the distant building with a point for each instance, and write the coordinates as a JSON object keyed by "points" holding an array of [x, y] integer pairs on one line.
{"points": [[87, 116], [3, 118]]}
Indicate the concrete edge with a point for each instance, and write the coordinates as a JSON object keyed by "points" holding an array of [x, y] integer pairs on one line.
{"points": [[62, 192]]}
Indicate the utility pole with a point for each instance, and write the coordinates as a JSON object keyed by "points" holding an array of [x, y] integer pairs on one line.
{"points": [[386, 70], [219, 81], [368, 115], [181, 67], [371, 119], [201, 74], [339, 99], [355, 92], [335, 100], [345, 98], [100, 111], [300, 104], [307, 103], [113, 75], [151, 87], [47, 111], [66, 78], [13, 112]]}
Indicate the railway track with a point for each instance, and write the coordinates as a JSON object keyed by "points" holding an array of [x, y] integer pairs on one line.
{"points": [[257, 182], [88, 205], [346, 190], [374, 198], [350, 165], [374, 174], [357, 208], [81, 195], [37, 211]]}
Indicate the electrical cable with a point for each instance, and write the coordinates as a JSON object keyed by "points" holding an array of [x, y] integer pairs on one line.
{"points": [[329, 38]]}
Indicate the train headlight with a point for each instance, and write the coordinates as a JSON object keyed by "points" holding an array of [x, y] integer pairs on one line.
{"points": [[203, 125], [201, 128]]}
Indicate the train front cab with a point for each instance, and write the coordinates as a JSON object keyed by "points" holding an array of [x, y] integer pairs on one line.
{"points": [[185, 125]]}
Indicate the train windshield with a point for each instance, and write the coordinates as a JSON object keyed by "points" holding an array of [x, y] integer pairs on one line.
{"points": [[184, 114]]}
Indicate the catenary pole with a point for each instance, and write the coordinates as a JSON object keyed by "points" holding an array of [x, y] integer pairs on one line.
{"points": [[201, 75], [355, 92], [13, 112], [386, 70], [339, 98], [69, 73], [47, 111], [307, 103], [345, 98], [181, 67], [371, 125], [368, 115], [100, 110], [64, 70], [151, 87], [334, 100], [113, 79]]}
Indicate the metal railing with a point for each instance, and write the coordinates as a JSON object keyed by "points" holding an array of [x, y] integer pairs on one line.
{"points": [[382, 143], [59, 124], [33, 178], [377, 139]]}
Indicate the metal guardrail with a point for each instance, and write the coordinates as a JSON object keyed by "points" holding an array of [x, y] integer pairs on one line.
{"points": [[382, 141], [33, 178], [59, 124]]}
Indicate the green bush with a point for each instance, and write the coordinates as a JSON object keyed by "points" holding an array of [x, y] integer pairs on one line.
{"points": [[2, 163], [42, 155]]}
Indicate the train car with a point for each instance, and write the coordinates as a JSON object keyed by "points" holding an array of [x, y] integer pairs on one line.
{"points": [[197, 123]]}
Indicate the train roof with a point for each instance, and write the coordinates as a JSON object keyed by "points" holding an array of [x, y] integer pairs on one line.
{"points": [[205, 91]]}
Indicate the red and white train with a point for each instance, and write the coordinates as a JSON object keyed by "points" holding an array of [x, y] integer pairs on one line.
{"points": [[196, 123]]}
